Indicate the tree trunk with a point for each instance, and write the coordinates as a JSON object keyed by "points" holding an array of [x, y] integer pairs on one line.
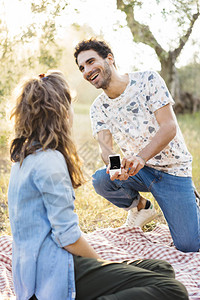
{"points": [[184, 102], [170, 75]]}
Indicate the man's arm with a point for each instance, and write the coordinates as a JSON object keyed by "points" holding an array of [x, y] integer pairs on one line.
{"points": [[106, 144], [167, 131], [167, 121]]}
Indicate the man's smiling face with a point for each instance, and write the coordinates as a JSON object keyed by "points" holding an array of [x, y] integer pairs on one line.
{"points": [[94, 68]]}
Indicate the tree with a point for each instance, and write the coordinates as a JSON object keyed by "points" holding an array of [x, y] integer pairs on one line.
{"points": [[18, 60], [189, 80], [185, 13], [15, 58]]}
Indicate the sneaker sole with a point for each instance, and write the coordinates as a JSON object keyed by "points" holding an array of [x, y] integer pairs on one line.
{"points": [[148, 220]]}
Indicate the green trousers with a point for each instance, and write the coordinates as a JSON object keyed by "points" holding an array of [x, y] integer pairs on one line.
{"points": [[131, 280]]}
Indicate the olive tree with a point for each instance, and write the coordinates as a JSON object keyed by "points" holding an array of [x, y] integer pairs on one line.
{"points": [[183, 13]]}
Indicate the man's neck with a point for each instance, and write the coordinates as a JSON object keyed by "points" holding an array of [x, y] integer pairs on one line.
{"points": [[117, 85]]}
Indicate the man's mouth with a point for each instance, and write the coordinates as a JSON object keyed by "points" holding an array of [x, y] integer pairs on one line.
{"points": [[94, 76]]}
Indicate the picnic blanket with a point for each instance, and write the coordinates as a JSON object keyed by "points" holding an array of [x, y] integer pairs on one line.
{"points": [[119, 244]]}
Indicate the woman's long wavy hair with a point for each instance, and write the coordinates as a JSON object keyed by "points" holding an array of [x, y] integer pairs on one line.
{"points": [[42, 121]]}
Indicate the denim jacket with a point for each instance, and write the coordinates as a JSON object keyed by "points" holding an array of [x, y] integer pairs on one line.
{"points": [[42, 217]]}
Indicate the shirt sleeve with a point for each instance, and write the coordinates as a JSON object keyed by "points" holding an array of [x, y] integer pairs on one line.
{"points": [[53, 181], [158, 95], [98, 117]]}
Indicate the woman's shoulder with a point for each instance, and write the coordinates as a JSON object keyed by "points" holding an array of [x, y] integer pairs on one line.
{"points": [[50, 164], [49, 157], [48, 154], [48, 161]]}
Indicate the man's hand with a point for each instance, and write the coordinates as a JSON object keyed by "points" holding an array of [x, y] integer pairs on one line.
{"points": [[130, 166], [123, 176]]}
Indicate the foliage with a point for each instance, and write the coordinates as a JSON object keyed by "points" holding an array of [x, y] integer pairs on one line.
{"points": [[54, 7], [50, 57], [181, 12], [190, 78], [15, 57]]}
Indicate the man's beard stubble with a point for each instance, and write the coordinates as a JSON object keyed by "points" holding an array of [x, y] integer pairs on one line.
{"points": [[106, 77]]}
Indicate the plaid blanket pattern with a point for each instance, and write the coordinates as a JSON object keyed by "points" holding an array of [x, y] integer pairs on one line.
{"points": [[118, 244]]}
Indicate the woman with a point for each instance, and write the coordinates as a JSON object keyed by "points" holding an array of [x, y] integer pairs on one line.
{"points": [[51, 258]]}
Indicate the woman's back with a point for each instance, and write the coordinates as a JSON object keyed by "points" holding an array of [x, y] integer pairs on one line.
{"points": [[41, 206]]}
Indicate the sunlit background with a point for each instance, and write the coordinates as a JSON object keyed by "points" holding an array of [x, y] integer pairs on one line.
{"points": [[39, 35], [105, 20]]}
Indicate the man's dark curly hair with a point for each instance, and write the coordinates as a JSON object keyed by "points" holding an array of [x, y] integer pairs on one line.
{"points": [[92, 44]]}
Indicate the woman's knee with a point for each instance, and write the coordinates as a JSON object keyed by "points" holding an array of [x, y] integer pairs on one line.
{"points": [[178, 291], [157, 265], [163, 267]]}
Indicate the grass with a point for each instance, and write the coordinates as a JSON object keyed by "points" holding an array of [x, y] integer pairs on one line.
{"points": [[94, 211], [4, 220], [190, 126]]}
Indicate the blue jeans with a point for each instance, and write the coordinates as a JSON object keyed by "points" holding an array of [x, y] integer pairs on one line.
{"points": [[175, 196]]}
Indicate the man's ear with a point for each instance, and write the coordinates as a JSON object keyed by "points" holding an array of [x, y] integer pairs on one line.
{"points": [[110, 59]]}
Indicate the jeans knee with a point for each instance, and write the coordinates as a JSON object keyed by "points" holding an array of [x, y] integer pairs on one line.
{"points": [[99, 180], [188, 246]]}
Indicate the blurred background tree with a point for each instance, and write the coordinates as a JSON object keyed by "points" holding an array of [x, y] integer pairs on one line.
{"points": [[47, 42], [40, 46], [185, 14]]}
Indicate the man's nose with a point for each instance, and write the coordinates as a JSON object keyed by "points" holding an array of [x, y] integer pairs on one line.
{"points": [[87, 72]]}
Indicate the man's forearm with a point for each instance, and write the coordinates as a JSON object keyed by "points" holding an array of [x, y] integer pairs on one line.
{"points": [[105, 144], [162, 138], [105, 155]]}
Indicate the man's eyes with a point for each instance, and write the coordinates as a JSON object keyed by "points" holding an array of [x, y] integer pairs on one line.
{"points": [[89, 63]]}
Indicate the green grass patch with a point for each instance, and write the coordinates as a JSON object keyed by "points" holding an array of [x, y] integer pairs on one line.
{"points": [[190, 127], [4, 216]]}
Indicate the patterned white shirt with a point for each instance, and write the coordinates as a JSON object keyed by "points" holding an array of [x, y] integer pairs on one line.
{"points": [[131, 120]]}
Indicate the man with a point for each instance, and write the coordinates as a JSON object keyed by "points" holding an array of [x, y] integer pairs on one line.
{"points": [[136, 111]]}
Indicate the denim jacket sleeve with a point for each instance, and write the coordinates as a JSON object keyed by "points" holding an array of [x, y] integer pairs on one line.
{"points": [[53, 182]]}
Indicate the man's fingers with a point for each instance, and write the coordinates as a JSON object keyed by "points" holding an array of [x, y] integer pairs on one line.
{"points": [[115, 176], [128, 164], [135, 169], [108, 168], [123, 176], [123, 162]]}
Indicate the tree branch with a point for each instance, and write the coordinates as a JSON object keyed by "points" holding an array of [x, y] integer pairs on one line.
{"points": [[141, 33], [185, 38]]}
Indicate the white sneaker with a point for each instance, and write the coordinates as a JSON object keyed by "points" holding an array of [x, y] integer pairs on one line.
{"points": [[141, 217]]}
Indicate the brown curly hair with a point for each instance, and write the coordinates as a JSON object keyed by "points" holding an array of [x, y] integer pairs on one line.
{"points": [[41, 121], [101, 47]]}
